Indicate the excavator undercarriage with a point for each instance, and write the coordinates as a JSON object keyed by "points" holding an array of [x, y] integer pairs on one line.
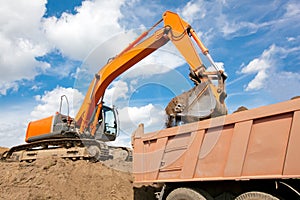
{"points": [[70, 148]]}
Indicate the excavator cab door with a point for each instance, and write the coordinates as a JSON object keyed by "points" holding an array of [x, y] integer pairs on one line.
{"points": [[109, 128]]}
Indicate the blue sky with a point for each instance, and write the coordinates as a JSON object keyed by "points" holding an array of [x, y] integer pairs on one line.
{"points": [[50, 48]]}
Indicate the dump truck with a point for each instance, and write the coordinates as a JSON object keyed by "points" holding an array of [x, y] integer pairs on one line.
{"points": [[252, 154], [86, 135]]}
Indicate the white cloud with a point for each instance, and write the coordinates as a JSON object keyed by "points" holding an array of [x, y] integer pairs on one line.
{"points": [[270, 74], [292, 9], [118, 90], [12, 128], [153, 117], [21, 42], [163, 60], [261, 67], [106, 50], [224, 17], [291, 39], [249, 23], [5, 85], [199, 9], [192, 10], [235, 27], [284, 85], [50, 101], [25, 35], [76, 35]]}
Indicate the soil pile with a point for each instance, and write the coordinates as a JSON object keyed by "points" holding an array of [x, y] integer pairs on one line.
{"points": [[55, 178], [52, 178], [3, 149], [240, 109]]}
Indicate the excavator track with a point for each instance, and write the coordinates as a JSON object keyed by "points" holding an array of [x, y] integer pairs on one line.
{"points": [[71, 148]]}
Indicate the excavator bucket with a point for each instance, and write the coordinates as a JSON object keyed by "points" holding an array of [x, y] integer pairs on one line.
{"points": [[201, 102]]}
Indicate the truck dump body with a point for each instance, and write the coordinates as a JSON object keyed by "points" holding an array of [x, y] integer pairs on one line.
{"points": [[261, 143]]}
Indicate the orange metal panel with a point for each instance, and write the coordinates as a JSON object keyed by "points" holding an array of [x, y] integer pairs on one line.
{"points": [[214, 152], [267, 145], [175, 148], [138, 161], [39, 127], [169, 174], [153, 154], [292, 162], [174, 154], [238, 148], [192, 155]]}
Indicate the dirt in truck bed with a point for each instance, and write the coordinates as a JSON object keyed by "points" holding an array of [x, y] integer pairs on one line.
{"points": [[55, 178]]}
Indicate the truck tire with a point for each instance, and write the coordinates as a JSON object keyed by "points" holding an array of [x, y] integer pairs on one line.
{"points": [[185, 194], [256, 196]]}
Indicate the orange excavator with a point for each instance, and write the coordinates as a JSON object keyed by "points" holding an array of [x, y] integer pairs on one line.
{"points": [[85, 136]]}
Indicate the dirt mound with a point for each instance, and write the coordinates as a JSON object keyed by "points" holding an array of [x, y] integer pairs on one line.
{"points": [[3, 149], [241, 108], [119, 164], [61, 179]]}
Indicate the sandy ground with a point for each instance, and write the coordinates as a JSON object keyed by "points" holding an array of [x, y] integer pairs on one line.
{"points": [[3, 149], [54, 178]]}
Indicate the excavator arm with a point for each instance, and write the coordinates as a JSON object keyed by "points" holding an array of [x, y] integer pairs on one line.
{"points": [[176, 30]]}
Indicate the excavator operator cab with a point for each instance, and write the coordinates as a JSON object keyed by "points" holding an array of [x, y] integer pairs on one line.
{"points": [[109, 127]]}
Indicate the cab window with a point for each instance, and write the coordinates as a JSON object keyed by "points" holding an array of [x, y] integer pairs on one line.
{"points": [[110, 121]]}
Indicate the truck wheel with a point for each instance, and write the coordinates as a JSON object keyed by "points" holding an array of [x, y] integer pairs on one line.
{"points": [[186, 194], [256, 196]]}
